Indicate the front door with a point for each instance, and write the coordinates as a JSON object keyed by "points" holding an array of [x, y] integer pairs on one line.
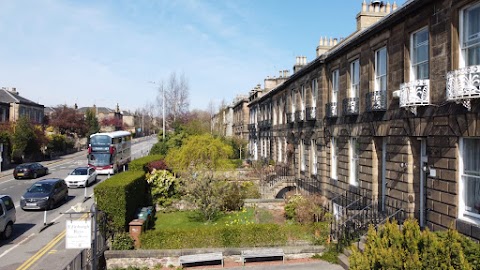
{"points": [[423, 179]]}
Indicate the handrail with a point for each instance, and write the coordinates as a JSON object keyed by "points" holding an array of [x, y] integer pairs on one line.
{"points": [[346, 207], [361, 211], [387, 218]]}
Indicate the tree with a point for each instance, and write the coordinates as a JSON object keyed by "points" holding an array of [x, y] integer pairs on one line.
{"points": [[68, 120], [200, 154], [26, 140], [114, 122], [174, 95], [92, 122]]}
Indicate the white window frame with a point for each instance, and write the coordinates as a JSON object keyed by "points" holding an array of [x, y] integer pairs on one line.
{"points": [[302, 156], [335, 85], [314, 93], [463, 30], [354, 166], [302, 97], [333, 158], [355, 79], [379, 75], [465, 212], [414, 47], [313, 157], [294, 101]]}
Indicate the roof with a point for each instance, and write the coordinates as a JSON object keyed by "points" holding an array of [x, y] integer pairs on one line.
{"points": [[49, 180], [113, 134], [7, 96], [98, 109]]}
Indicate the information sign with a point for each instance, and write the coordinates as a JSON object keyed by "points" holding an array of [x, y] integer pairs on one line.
{"points": [[78, 234]]}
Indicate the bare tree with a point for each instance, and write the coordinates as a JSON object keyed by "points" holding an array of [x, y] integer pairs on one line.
{"points": [[177, 96]]}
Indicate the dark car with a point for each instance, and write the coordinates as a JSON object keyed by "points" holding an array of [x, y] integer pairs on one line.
{"points": [[45, 194], [29, 170]]}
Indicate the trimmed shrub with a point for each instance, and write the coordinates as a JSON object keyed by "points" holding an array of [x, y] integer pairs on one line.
{"points": [[140, 164], [120, 196], [252, 235]]}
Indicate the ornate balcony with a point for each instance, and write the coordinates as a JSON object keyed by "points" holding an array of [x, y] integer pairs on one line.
{"points": [[376, 101], [290, 118], [463, 84], [251, 126], [351, 106], [416, 93], [311, 113], [331, 110], [300, 115]]}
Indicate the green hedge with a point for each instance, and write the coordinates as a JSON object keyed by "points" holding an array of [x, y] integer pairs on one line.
{"points": [[220, 236], [120, 196], [140, 163]]}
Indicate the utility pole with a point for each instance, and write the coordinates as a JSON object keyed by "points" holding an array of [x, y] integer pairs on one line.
{"points": [[162, 88]]}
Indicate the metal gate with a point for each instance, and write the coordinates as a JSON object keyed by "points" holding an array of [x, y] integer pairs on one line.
{"points": [[93, 259]]}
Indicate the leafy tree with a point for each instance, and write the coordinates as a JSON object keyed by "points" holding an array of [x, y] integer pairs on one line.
{"points": [[200, 154], [115, 122], [67, 120], [25, 140], [92, 122]]}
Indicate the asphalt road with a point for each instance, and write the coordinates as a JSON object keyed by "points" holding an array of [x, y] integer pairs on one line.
{"points": [[34, 245]]}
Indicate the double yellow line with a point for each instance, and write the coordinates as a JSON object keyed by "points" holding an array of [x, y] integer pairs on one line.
{"points": [[42, 251], [45, 249]]}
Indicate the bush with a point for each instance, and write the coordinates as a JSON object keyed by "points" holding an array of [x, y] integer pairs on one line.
{"points": [[252, 235], [157, 165], [164, 187], [411, 248], [122, 241], [305, 209], [120, 196], [140, 164]]}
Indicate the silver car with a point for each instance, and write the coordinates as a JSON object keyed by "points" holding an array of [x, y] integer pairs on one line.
{"points": [[7, 216]]}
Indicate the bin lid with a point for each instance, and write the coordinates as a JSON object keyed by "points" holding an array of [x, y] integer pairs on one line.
{"points": [[136, 221]]}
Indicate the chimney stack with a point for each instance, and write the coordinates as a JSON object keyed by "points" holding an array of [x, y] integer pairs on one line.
{"points": [[373, 12]]}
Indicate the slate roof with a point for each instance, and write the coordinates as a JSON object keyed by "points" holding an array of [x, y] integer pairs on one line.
{"points": [[7, 96], [99, 109]]}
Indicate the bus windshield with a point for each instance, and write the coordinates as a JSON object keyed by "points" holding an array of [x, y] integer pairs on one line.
{"points": [[100, 140], [99, 159]]}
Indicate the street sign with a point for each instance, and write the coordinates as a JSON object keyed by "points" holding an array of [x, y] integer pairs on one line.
{"points": [[78, 234]]}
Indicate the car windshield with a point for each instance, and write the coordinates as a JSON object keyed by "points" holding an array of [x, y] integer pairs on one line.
{"points": [[23, 166], [40, 188], [79, 171]]}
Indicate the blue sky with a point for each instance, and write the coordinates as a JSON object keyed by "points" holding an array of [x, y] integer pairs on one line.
{"points": [[106, 52]]}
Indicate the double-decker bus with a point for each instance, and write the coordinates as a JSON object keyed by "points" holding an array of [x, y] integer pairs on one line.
{"points": [[109, 152]]}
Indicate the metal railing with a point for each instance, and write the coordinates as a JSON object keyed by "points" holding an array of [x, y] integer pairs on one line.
{"points": [[376, 101]]}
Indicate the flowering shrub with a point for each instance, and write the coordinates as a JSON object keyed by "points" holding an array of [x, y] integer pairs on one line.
{"points": [[164, 187]]}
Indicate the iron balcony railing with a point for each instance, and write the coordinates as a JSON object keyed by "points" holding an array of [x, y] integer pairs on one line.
{"points": [[415, 93], [376, 101], [251, 126], [300, 115], [290, 118], [463, 83], [351, 106], [331, 110], [311, 113]]}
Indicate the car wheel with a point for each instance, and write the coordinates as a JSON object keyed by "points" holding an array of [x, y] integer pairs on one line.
{"points": [[66, 197], [35, 175], [8, 231]]}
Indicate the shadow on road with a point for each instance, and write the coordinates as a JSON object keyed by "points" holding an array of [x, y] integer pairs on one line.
{"points": [[19, 230]]}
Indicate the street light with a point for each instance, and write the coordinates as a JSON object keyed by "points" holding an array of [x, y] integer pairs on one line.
{"points": [[163, 106]]}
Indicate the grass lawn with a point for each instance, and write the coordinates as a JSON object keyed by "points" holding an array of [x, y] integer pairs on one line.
{"points": [[187, 219]]}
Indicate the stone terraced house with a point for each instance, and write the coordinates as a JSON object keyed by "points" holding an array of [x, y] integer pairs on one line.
{"points": [[388, 116]]}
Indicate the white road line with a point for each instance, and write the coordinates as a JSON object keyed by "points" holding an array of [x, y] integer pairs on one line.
{"points": [[15, 246]]}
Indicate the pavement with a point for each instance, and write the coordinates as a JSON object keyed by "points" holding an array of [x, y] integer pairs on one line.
{"points": [[297, 266]]}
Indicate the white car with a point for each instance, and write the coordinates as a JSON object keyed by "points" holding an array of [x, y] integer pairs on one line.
{"points": [[81, 177]]}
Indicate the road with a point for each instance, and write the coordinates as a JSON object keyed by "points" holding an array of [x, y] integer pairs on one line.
{"points": [[35, 246]]}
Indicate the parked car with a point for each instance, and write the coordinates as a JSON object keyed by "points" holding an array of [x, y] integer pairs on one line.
{"points": [[45, 194], [7, 216], [81, 177], [29, 170]]}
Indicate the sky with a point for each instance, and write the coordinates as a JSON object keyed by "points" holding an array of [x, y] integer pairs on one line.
{"points": [[118, 51]]}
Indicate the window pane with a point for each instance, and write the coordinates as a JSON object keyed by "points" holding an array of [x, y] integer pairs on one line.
{"points": [[473, 23], [472, 194], [421, 54], [473, 56], [422, 71]]}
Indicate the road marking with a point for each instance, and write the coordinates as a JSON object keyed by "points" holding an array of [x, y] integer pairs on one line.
{"points": [[15, 246], [42, 251], [47, 248]]}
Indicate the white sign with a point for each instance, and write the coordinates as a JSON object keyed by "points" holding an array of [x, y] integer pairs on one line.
{"points": [[78, 234]]}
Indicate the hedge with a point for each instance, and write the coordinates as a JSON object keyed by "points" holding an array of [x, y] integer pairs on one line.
{"points": [[139, 164], [120, 196], [220, 236]]}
